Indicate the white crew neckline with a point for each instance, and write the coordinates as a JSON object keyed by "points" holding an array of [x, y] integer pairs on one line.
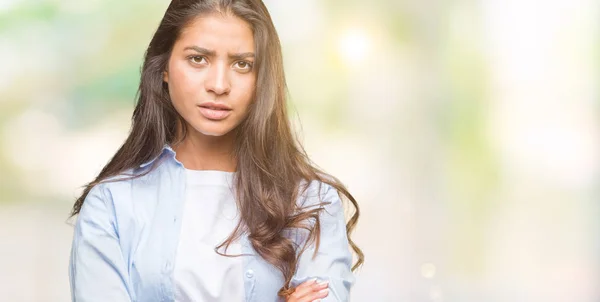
{"points": [[209, 177]]}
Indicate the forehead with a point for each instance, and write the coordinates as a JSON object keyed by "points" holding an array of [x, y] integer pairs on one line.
{"points": [[218, 32]]}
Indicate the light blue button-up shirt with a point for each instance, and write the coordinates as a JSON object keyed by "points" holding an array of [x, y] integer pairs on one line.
{"points": [[126, 235]]}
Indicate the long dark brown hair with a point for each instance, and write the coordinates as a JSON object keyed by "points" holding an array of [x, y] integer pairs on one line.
{"points": [[271, 162]]}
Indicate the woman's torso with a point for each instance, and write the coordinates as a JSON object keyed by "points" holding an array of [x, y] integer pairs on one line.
{"points": [[149, 211], [210, 215], [148, 215]]}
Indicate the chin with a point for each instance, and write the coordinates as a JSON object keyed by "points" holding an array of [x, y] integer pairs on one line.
{"points": [[212, 131]]}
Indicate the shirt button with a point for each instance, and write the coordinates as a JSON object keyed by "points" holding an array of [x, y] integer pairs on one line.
{"points": [[249, 273]]}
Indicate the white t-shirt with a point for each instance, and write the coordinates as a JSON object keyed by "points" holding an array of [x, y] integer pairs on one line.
{"points": [[210, 215]]}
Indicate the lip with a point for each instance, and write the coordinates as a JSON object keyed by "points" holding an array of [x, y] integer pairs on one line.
{"points": [[214, 111], [214, 105]]}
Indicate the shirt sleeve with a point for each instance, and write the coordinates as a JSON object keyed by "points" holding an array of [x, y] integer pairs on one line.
{"points": [[333, 260], [97, 269]]}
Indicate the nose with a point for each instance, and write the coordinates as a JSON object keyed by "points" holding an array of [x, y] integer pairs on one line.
{"points": [[218, 79]]}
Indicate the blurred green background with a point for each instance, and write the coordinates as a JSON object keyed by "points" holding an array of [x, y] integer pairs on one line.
{"points": [[467, 130]]}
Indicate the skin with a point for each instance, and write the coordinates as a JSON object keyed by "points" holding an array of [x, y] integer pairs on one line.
{"points": [[203, 67], [194, 75], [309, 291]]}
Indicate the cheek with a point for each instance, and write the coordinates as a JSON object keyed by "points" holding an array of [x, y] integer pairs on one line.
{"points": [[247, 89], [182, 84]]}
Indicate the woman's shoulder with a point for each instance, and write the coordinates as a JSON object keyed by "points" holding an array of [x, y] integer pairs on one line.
{"points": [[120, 192], [314, 192], [120, 187], [121, 179], [131, 176]]}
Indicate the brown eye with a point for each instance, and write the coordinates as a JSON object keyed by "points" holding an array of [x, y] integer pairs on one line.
{"points": [[196, 59], [244, 65]]}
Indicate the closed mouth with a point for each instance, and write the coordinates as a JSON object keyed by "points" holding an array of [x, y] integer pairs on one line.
{"points": [[215, 107]]}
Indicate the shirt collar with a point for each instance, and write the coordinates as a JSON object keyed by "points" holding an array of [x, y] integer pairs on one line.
{"points": [[165, 150]]}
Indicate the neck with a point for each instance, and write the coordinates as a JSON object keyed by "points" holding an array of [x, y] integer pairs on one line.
{"points": [[204, 152]]}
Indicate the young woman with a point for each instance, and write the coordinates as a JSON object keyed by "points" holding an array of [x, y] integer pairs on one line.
{"points": [[211, 197]]}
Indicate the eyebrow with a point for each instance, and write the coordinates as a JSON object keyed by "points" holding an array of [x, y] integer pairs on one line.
{"points": [[212, 53]]}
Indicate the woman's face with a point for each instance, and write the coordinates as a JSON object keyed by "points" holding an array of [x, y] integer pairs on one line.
{"points": [[210, 73]]}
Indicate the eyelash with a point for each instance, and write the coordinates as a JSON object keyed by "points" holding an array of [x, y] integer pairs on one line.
{"points": [[191, 59]]}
